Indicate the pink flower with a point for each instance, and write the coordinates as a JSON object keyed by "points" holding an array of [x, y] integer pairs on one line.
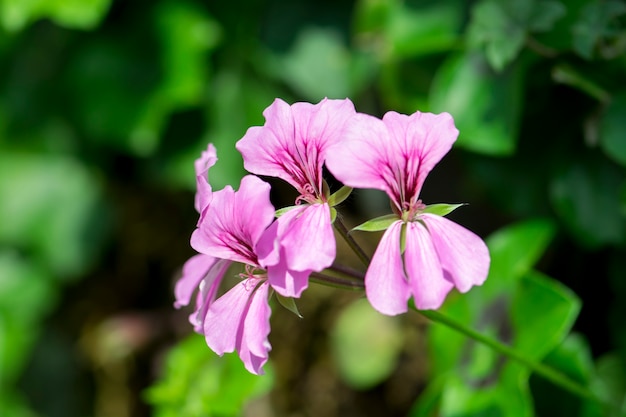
{"points": [[293, 145], [395, 155], [229, 231]]}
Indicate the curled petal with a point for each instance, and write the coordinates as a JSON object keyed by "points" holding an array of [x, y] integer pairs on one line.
{"points": [[426, 277], [203, 188], [207, 292], [194, 270], [386, 284], [463, 255]]}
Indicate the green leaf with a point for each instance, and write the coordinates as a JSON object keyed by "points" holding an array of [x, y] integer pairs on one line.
{"points": [[378, 224], [363, 358], [515, 249], [485, 106], [197, 382], [27, 293], [609, 381], [542, 313], [340, 196], [518, 307], [416, 31], [320, 65], [597, 22], [52, 201], [289, 303], [78, 14], [545, 14], [613, 129], [502, 36], [585, 194], [442, 209]]}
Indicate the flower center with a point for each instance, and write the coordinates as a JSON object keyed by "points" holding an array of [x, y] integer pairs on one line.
{"points": [[253, 272], [309, 195], [411, 210]]}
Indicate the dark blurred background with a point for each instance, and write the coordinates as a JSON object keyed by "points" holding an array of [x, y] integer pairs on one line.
{"points": [[105, 104]]}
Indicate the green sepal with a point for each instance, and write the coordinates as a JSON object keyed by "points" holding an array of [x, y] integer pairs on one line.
{"points": [[289, 303], [442, 209], [403, 238], [333, 215], [325, 190], [340, 196], [377, 224], [283, 210]]}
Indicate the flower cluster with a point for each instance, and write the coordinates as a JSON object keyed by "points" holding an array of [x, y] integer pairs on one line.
{"points": [[421, 254]]}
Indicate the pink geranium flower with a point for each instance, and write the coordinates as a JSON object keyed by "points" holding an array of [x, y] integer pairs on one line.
{"points": [[229, 231], [293, 145], [395, 155]]}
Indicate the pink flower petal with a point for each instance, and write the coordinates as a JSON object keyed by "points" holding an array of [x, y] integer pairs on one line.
{"points": [[424, 138], [386, 284], [360, 160], [287, 282], [293, 142], [298, 242], [224, 319], [235, 221], [463, 255], [426, 278], [393, 155], [253, 345], [239, 320], [308, 237]]}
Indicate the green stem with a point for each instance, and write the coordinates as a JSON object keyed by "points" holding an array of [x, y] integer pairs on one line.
{"points": [[545, 371], [337, 282], [343, 231]]}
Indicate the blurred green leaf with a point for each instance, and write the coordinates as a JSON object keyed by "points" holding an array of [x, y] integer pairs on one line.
{"points": [[417, 31], [320, 65], [613, 129], [186, 34], [543, 310], [79, 14], [51, 203], [572, 358], [502, 36], [363, 358], [196, 383], [501, 27], [597, 22], [26, 294], [515, 249], [586, 195], [516, 305], [485, 106], [609, 382]]}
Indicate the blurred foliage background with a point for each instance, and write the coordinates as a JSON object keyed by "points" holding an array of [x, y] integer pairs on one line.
{"points": [[104, 105]]}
